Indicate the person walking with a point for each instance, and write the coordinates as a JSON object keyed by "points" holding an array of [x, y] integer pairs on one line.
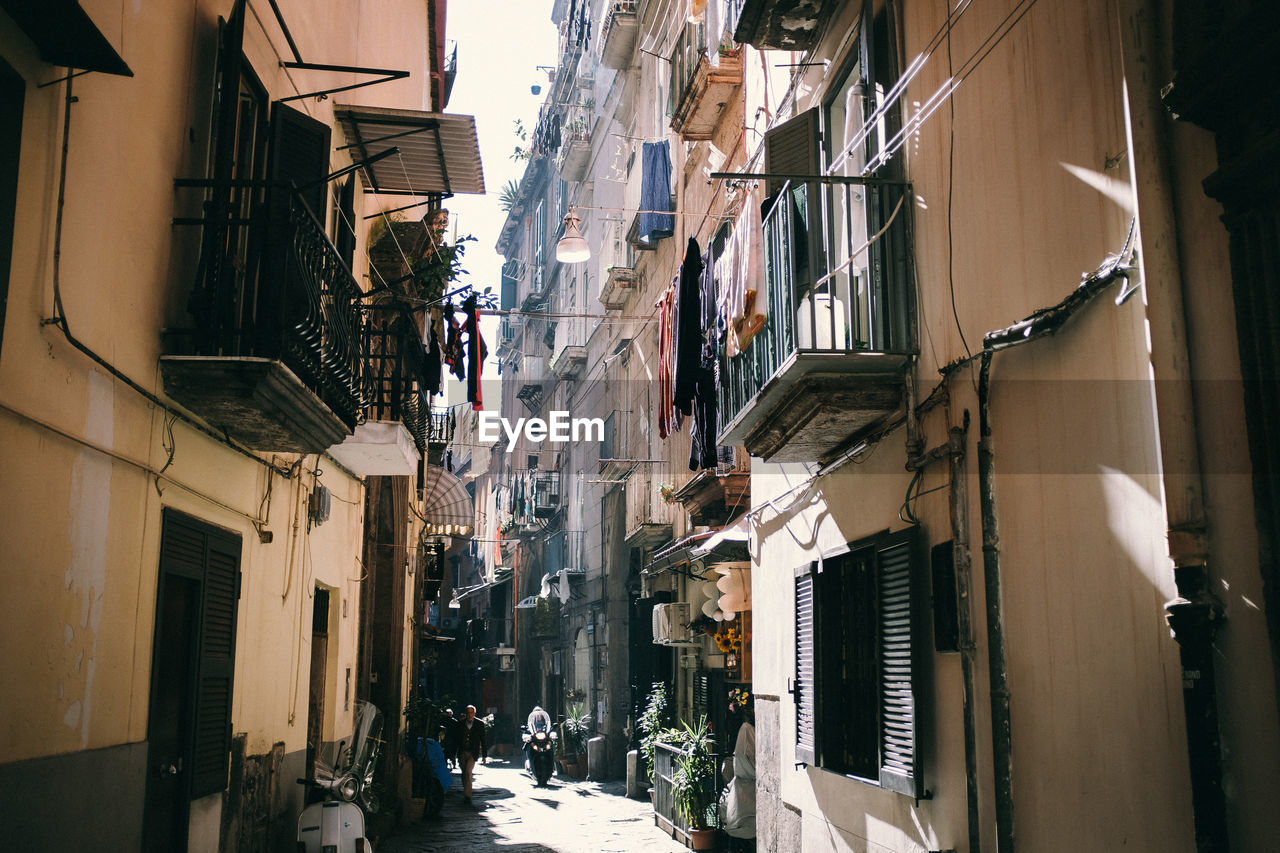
{"points": [[471, 743]]}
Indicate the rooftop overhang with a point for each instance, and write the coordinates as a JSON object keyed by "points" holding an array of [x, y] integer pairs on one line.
{"points": [[438, 153], [65, 35]]}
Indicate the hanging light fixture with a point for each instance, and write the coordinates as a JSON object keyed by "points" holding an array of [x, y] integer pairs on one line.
{"points": [[572, 247]]}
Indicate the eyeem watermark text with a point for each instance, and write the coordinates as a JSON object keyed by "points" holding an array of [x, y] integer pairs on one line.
{"points": [[560, 428]]}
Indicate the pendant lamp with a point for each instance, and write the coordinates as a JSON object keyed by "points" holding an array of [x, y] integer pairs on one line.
{"points": [[572, 247]]}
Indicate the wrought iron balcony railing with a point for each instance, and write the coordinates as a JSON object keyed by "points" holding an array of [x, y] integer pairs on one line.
{"points": [[270, 288], [839, 320], [395, 366]]}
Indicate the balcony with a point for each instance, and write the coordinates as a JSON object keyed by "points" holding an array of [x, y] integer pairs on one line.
{"points": [[575, 146], [395, 434], [615, 449], [618, 34], [714, 496], [545, 490], [705, 91], [618, 287], [570, 353], [782, 24], [649, 516], [828, 363], [274, 358]]}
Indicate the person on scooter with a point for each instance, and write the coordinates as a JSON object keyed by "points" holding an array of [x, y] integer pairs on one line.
{"points": [[539, 721]]}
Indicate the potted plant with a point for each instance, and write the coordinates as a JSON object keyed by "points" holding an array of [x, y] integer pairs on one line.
{"points": [[651, 723], [573, 740], [693, 785]]}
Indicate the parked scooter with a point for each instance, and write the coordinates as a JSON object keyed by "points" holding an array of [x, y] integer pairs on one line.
{"points": [[349, 777], [331, 826], [539, 746], [336, 824]]}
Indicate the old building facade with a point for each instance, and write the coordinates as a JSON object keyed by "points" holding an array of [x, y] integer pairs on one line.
{"points": [[214, 406]]}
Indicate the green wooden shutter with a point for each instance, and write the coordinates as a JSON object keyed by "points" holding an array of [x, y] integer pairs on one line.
{"points": [[212, 738], [804, 689], [792, 148], [899, 761]]}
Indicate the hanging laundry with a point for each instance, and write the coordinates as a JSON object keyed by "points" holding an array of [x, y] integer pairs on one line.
{"points": [[669, 420], [435, 353], [476, 351], [742, 295], [454, 354], [655, 192], [703, 452], [687, 330]]}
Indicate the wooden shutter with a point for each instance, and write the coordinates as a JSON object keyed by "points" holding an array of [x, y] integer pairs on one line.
{"points": [[300, 153], [212, 741], [899, 770], [804, 689], [792, 148]]}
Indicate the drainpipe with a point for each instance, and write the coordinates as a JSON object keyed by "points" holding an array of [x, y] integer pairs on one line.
{"points": [[1001, 727], [957, 440], [1195, 613]]}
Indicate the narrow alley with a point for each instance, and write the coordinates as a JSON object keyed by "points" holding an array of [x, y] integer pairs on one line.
{"points": [[509, 813]]}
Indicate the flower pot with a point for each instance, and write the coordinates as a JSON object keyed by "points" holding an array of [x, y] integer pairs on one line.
{"points": [[702, 839]]}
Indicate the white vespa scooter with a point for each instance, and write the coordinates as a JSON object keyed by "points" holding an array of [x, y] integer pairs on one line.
{"points": [[336, 824]]}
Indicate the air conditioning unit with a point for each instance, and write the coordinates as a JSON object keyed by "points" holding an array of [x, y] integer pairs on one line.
{"points": [[671, 624]]}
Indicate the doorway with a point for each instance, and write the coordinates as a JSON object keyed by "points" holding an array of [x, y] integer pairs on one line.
{"points": [[165, 816], [319, 673]]}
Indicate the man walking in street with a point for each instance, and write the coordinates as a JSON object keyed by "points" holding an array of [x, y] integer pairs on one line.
{"points": [[471, 744]]}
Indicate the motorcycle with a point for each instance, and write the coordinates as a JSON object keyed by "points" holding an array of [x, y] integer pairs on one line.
{"points": [[332, 825], [540, 753]]}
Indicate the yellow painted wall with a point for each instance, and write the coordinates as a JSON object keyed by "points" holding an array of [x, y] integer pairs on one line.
{"points": [[81, 531]]}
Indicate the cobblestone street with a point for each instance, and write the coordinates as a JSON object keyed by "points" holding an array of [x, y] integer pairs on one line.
{"points": [[509, 813]]}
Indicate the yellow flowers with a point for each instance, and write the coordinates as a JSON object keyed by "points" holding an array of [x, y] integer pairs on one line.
{"points": [[728, 639]]}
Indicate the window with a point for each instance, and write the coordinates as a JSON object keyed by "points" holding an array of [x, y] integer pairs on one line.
{"points": [[858, 649], [539, 232]]}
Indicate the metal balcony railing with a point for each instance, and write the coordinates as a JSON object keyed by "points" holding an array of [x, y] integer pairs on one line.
{"points": [[395, 372], [836, 259], [271, 285], [443, 424], [688, 53]]}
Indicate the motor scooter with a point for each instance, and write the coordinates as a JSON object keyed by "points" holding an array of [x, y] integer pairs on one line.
{"points": [[336, 824], [540, 753]]}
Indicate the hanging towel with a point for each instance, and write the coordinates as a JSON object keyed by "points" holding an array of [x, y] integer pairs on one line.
{"points": [[655, 192], [669, 420], [741, 272]]}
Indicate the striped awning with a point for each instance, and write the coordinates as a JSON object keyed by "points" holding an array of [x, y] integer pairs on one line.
{"points": [[438, 152]]}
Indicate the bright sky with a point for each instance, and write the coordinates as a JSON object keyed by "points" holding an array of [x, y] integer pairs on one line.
{"points": [[500, 45]]}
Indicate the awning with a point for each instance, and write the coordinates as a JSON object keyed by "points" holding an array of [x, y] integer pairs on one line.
{"points": [[739, 531], [66, 35], [446, 505], [695, 549], [439, 153]]}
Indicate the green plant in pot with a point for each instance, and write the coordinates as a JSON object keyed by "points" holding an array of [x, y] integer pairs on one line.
{"points": [[693, 784], [574, 731], [652, 722]]}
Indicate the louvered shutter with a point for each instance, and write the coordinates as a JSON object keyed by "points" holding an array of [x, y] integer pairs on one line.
{"points": [[899, 767], [212, 742], [300, 153], [804, 688], [792, 148]]}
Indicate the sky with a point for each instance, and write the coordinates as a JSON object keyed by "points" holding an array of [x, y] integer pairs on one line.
{"points": [[500, 45]]}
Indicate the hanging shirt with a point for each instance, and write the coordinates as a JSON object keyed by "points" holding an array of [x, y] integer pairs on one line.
{"points": [[435, 353], [743, 294]]}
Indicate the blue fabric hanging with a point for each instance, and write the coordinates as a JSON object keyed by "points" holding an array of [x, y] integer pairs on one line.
{"points": [[655, 192]]}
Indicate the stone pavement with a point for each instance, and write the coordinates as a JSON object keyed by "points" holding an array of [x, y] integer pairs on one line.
{"points": [[509, 813]]}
